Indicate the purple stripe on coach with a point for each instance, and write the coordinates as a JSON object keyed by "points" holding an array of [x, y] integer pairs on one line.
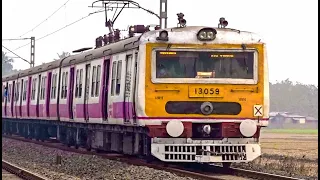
{"points": [[122, 110]]}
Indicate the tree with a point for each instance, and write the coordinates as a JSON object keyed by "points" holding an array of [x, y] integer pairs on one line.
{"points": [[62, 55], [7, 67], [295, 98]]}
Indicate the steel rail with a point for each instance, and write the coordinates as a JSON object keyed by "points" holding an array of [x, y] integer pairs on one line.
{"points": [[20, 172]]}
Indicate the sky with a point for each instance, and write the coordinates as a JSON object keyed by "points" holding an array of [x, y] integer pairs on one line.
{"points": [[289, 28]]}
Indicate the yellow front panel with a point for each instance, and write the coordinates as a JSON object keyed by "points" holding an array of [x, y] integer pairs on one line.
{"points": [[157, 95]]}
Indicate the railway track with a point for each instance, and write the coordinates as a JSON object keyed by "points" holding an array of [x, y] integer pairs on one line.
{"points": [[17, 173], [9, 176], [199, 171]]}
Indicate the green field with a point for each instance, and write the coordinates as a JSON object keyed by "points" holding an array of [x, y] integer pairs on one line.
{"points": [[292, 131]]}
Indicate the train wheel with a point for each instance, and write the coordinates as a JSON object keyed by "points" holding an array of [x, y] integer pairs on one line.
{"points": [[226, 164], [88, 148], [88, 140], [150, 158]]}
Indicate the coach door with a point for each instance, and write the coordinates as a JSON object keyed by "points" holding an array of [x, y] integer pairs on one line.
{"points": [[38, 96], [106, 71], [134, 87], [4, 96], [86, 93], [70, 104], [20, 98], [12, 100], [127, 88], [129, 111], [15, 99], [17, 105], [48, 94]]}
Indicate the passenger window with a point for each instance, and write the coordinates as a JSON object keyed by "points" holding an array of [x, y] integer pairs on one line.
{"points": [[93, 80], [44, 87], [62, 85], [98, 80], [33, 91], [32, 87], [66, 86], [24, 96], [9, 93], [41, 82], [17, 90], [55, 86], [14, 92], [77, 84], [52, 87], [118, 77], [114, 65], [80, 83]]}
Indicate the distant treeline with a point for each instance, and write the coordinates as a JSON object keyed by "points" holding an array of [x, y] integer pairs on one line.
{"points": [[296, 98]]}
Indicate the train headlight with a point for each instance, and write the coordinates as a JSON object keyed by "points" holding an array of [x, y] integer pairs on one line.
{"points": [[210, 35], [163, 36], [175, 128], [207, 129], [202, 35], [248, 128], [207, 34]]}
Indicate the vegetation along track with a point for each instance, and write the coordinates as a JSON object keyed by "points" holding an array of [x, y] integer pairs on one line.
{"points": [[199, 171], [20, 172]]}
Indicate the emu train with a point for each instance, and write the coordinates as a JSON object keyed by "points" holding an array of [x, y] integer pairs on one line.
{"points": [[182, 94]]}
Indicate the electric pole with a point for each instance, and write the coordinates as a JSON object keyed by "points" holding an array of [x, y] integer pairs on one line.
{"points": [[32, 50], [163, 13]]}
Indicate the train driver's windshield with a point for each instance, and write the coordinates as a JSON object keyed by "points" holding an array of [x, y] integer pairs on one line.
{"points": [[187, 64]]}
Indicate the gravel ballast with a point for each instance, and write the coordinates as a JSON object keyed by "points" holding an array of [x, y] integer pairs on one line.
{"points": [[42, 160]]}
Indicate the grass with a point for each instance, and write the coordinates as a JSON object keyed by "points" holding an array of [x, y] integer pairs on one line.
{"points": [[292, 131], [289, 165]]}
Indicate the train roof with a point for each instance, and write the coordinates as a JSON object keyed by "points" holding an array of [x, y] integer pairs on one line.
{"points": [[106, 50], [120, 46], [224, 35]]}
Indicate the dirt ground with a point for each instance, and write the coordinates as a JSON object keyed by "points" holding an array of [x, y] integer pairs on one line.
{"points": [[288, 154]]}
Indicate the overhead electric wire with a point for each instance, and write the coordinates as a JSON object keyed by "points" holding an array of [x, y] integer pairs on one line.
{"points": [[60, 29], [15, 54], [45, 19], [18, 39]]}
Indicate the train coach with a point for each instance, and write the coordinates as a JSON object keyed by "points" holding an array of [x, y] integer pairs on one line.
{"points": [[182, 94]]}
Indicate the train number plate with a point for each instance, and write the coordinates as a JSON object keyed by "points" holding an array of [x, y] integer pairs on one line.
{"points": [[204, 92]]}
